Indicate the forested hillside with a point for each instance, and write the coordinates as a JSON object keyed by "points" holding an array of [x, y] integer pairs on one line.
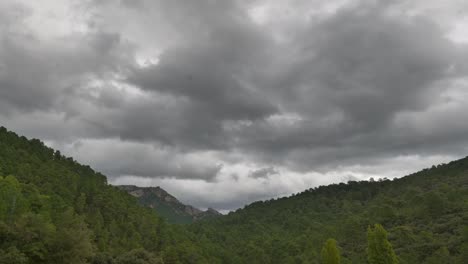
{"points": [[425, 214], [54, 210]]}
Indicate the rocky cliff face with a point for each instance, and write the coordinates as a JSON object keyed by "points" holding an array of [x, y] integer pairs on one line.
{"points": [[167, 205]]}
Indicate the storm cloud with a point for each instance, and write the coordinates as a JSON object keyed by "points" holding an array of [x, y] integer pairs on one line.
{"points": [[227, 102]]}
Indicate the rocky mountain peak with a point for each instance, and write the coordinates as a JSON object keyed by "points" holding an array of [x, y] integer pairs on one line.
{"points": [[167, 205]]}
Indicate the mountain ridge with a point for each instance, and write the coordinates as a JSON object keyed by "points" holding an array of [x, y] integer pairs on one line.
{"points": [[167, 205], [55, 210], [425, 213]]}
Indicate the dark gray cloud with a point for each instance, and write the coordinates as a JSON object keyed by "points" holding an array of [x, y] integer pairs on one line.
{"points": [[282, 95], [263, 172], [350, 77], [143, 160], [208, 82], [36, 76], [210, 73]]}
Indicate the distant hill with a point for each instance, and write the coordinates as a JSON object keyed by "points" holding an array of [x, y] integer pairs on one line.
{"points": [[167, 205], [425, 214], [54, 210]]}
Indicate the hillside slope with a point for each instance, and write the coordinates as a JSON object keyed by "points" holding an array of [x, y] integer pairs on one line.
{"points": [[54, 210], [425, 213], [166, 205]]}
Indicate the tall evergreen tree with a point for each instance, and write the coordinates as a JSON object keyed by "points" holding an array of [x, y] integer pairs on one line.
{"points": [[330, 252], [379, 249]]}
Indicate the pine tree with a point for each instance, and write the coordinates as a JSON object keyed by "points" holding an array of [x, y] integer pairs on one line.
{"points": [[330, 252], [379, 249]]}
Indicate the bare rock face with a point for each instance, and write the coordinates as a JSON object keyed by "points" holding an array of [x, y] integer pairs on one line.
{"points": [[192, 210], [212, 211], [167, 205], [137, 193]]}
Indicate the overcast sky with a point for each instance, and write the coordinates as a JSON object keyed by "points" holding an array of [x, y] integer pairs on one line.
{"points": [[223, 103]]}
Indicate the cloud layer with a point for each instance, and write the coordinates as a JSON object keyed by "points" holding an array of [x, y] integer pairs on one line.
{"points": [[226, 102]]}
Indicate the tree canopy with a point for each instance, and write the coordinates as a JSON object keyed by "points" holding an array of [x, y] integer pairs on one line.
{"points": [[55, 210], [330, 252]]}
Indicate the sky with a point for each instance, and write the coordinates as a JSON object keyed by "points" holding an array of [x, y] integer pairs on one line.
{"points": [[223, 103]]}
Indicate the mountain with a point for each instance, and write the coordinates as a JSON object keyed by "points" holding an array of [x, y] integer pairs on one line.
{"points": [[425, 215], [167, 205], [55, 210]]}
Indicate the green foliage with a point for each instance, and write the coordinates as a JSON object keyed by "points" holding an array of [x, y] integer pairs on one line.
{"points": [[379, 249], [440, 256], [463, 257], [12, 255], [73, 239], [138, 256], [330, 253], [423, 212], [54, 210], [165, 210], [33, 232]]}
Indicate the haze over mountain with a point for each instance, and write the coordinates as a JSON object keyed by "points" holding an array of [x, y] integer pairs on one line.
{"points": [[223, 103]]}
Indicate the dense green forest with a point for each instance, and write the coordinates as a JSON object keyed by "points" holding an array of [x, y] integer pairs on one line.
{"points": [[54, 210], [425, 214]]}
